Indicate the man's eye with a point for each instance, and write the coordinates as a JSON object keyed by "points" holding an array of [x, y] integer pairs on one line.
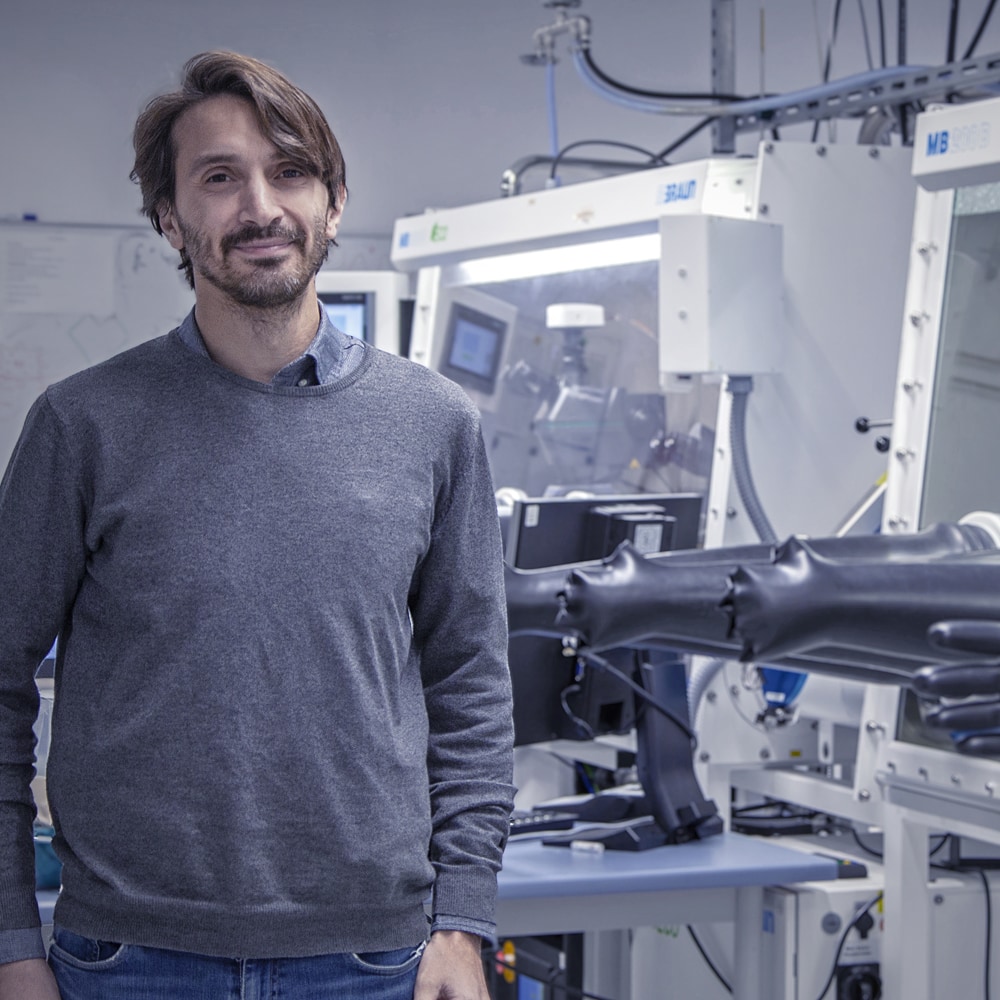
{"points": [[292, 172], [217, 178]]}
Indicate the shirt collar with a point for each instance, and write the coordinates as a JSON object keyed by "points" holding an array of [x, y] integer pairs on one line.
{"points": [[321, 363]]}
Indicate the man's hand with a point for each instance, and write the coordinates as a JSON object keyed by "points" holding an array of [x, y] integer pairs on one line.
{"points": [[451, 968], [28, 980]]}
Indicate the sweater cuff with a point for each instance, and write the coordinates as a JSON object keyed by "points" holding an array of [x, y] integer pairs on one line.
{"points": [[18, 945], [466, 891], [481, 928]]}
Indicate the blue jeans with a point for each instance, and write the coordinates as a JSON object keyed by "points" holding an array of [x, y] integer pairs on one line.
{"points": [[99, 970]]}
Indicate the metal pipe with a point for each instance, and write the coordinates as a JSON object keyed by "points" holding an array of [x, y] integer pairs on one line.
{"points": [[510, 181]]}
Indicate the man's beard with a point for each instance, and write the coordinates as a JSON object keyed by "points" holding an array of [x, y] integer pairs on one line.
{"points": [[263, 283]]}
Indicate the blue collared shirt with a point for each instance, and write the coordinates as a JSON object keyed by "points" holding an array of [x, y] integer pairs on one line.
{"points": [[331, 355]]}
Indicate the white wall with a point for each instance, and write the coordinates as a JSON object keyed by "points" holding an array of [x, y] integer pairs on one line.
{"points": [[429, 98]]}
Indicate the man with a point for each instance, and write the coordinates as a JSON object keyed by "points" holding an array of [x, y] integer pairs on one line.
{"points": [[271, 557]]}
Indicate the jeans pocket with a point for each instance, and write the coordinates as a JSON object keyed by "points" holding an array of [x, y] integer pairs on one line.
{"points": [[83, 952], [395, 962]]}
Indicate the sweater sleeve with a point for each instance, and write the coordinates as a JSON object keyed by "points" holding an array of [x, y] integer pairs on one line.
{"points": [[41, 524], [460, 630]]}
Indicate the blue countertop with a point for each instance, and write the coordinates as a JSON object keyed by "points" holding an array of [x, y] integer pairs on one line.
{"points": [[730, 860]]}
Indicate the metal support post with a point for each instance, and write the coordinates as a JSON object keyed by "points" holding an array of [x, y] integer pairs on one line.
{"points": [[724, 70]]}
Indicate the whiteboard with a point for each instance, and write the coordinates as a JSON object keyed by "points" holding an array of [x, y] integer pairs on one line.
{"points": [[71, 296]]}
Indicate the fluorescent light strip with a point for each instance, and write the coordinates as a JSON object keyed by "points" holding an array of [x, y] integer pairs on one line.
{"points": [[557, 260]]}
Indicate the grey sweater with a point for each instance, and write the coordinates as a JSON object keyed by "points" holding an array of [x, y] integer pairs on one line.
{"points": [[282, 701]]}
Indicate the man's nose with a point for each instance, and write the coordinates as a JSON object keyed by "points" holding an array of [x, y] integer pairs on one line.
{"points": [[259, 204]]}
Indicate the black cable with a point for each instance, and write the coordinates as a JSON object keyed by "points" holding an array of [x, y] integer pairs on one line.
{"points": [[583, 725], [654, 94], [827, 62], [864, 847], [570, 991], [989, 929], [557, 159], [965, 867], [903, 109], [689, 134], [945, 837], [881, 34], [864, 33], [782, 808], [952, 32], [843, 940], [983, 22], [901, 28], [598, 661], [708, 961]]}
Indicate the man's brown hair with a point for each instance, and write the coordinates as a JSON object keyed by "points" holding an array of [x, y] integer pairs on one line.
{"points": [[288, 116]]}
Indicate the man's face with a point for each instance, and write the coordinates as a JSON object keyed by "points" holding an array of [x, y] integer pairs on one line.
{"points": [[255, 224]]}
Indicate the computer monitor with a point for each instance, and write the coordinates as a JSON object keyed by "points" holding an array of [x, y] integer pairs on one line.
{"points": [[351, 312], [368, 305], [473, 348], [553, 697], [556, 531]]}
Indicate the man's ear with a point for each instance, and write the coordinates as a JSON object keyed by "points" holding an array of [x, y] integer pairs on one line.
{"points": [[168, 223], [333, 214]]}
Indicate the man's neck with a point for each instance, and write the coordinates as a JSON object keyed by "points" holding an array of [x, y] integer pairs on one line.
{"points": [[256, 343]]}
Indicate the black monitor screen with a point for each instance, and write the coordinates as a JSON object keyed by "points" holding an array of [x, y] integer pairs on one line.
{"points": [[473, 347], [552, 700], [556, 531], [351, 312]]}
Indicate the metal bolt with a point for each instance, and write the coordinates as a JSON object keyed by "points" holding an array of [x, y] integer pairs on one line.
{"points": [[731, 512], [704, 757], [821, 150], [873, 152], [938, 899], [864, 795], [990, 787], [917, 319], [911, 384], [925, 248], [871, 726], [682, 314], [711, 697], [765, 754], [922, 771], [764, 209], [896, 521], [902, 454], [891, 765], [734, 690], [956, 780], [769, 147]]}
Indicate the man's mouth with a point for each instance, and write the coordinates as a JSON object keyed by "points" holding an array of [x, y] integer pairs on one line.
{"points": [[261, 243], [264, 248]]}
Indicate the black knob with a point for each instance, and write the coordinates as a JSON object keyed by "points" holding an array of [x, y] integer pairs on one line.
{"points": [[864, 424], [882, 443]]}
